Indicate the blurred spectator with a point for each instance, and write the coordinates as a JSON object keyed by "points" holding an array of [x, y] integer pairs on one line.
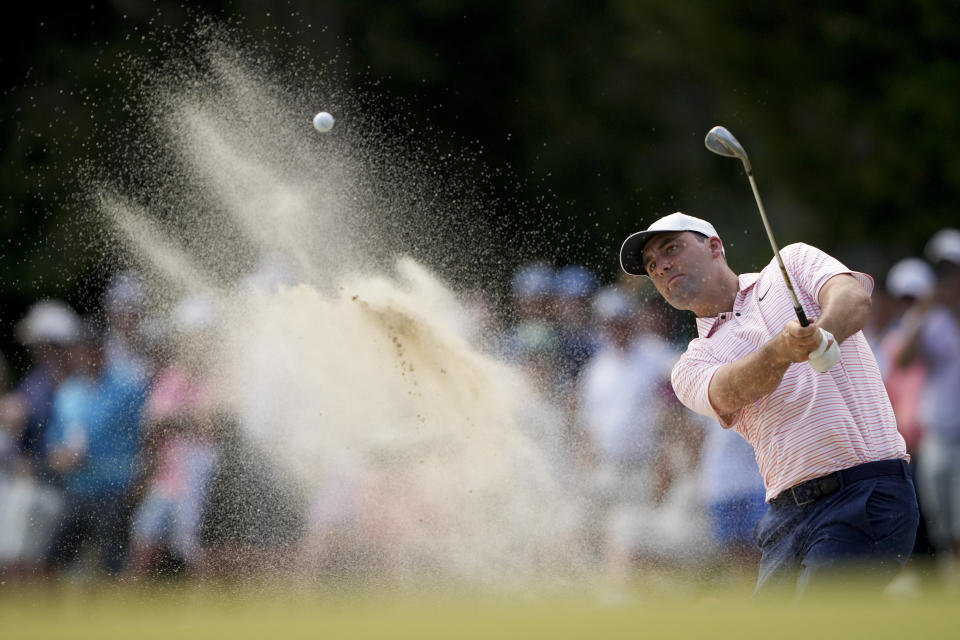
{"points": [[734, 496], [8, 414], [931, 335], [33, 500], [532, 288], [621, 404], [92, 443], [123, 306], [908, 282], [11, 478], [885, 312], [179, 450], [536, 349], [532, 341], [49, 331], [629, 414], [574, 287], [542, 416]]}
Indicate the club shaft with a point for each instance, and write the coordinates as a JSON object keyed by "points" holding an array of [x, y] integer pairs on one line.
{"points": [[801, 316]]}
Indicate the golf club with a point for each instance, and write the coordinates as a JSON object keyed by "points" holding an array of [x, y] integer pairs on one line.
{"points": [[720, 141]]}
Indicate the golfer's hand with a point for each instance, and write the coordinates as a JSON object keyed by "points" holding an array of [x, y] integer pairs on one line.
{"points": [[795, 343], [827, 354]]}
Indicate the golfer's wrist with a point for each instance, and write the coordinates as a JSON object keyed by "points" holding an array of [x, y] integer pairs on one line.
{"points": [[780, 355]]}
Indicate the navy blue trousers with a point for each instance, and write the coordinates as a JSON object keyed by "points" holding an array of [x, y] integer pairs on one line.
{"points": [[868, 526]]}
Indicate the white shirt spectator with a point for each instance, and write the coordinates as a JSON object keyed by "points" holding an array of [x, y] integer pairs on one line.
{"points": [[622, 398]]}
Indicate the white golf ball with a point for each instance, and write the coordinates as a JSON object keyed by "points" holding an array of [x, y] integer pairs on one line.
{"points": [[323, 122]]}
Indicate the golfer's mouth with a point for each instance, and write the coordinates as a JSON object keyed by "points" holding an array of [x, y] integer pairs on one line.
{"points": [[673, 279]]}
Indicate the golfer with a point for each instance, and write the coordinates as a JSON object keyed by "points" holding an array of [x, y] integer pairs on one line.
{"points": [[838, 490]]}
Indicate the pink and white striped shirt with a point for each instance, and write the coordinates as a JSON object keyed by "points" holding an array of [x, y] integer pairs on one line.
{"points": [[813, 423]]}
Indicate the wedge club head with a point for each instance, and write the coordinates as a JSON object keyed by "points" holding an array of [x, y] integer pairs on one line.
{"points": [[722, 142]]}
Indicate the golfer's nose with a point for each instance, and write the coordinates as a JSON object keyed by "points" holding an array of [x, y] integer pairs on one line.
{"points": [[663, 266]]}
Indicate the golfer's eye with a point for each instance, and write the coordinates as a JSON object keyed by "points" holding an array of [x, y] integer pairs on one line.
{"points": [[670, 247]]}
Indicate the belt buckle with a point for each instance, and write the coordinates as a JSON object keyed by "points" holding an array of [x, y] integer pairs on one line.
{"points": [[796, 500]]}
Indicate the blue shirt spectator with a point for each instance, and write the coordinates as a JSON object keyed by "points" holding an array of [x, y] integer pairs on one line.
{"points": [[99, 419], [93, 441], [47, 331]]}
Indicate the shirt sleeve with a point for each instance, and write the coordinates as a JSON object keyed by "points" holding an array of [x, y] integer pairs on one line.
{"points": [[691, 378], [64, 413], [810, 268]]}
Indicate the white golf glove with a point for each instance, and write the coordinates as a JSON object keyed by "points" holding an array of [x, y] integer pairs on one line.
{"points": [[822, 358]]}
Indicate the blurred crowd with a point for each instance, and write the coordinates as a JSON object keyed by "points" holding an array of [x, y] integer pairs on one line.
{"points": [[665, 486], [116, 458], [915, 334]]}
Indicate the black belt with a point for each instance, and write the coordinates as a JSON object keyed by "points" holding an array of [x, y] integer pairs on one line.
{"points": [[812, 490]]}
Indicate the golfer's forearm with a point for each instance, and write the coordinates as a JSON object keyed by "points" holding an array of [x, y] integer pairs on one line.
{"points": [[746, 380], [845, 307]]}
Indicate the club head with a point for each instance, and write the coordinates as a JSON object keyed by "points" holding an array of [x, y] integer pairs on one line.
{"points": [[722, 142]]}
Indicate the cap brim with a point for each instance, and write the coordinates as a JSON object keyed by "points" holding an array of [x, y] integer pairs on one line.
{"points": [[631, 253]]}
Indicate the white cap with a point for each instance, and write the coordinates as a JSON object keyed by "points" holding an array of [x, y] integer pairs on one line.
{"points": [[124, 293], [944, 245], [611, 303], [631, 253], [194, 312], [910, 277], [49, 322]]}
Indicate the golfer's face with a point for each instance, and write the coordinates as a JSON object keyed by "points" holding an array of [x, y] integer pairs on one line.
{"points": [[677, 263]]}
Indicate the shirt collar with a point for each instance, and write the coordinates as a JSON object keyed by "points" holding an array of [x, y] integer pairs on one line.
{"points": [[706, 326]]}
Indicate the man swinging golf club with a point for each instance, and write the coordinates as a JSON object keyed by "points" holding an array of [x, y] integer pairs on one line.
{"points": [[807, 396]]}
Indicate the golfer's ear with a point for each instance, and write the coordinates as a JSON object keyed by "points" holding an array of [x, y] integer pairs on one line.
{"points": [[716, 246]]}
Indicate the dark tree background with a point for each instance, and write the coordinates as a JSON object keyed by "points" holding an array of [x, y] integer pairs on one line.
{"points": [[598, 110]]}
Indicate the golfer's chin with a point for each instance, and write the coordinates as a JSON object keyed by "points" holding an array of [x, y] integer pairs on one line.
{"points": [[678, 297]]}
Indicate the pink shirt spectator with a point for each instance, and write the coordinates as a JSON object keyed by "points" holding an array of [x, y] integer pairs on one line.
{"points": [[175, 395], [180, 399], [905, 386], [814, 423]]}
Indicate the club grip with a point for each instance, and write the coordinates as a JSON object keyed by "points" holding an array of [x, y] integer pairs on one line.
{"points": [[801, 316]]}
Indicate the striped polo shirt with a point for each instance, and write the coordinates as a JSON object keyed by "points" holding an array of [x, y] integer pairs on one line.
{"points": [[813, 423]]}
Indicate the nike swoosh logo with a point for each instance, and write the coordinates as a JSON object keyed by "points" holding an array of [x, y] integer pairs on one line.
{"points": [[760, 299]]}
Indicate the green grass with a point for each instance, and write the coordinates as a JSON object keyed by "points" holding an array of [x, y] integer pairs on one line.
{"points": [[264, 611]]}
